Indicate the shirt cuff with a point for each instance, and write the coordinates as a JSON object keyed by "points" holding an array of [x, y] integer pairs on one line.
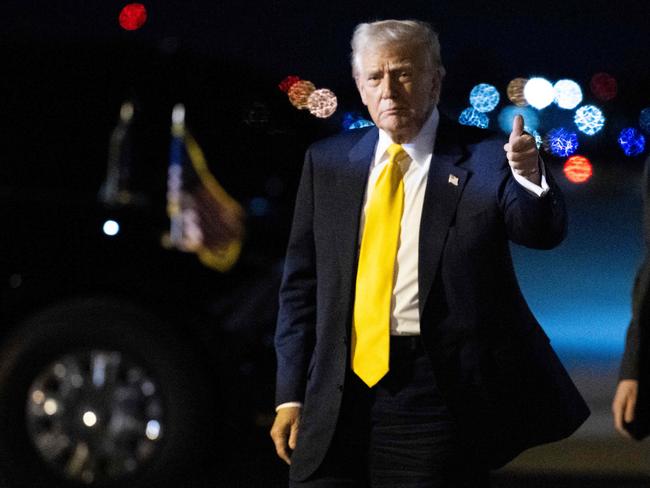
{"points": [[537, 190], [288, 404]]}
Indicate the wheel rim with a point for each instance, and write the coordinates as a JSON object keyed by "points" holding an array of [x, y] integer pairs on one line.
{"points": [[95, 416]]}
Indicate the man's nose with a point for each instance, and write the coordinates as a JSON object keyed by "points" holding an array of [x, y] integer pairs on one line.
{"points": [[388, 87]]}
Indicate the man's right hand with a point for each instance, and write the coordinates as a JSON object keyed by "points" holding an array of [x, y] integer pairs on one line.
{"points": [[624, 403], [284, 431]]}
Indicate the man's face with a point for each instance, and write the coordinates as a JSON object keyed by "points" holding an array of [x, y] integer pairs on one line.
{"points": [[397, 88]]}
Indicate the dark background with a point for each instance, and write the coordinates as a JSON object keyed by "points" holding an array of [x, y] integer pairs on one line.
{"points": [[67, 66]]}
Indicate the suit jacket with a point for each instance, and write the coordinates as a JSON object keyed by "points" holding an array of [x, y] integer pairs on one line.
{"points": [[492, 361], [636, 359]]}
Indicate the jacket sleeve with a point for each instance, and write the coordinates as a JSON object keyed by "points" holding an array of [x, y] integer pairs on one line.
{"points": [[532, 221], [295, 331]]}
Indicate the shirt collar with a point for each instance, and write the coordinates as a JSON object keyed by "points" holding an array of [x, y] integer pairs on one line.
{"points": [[420, 148]]}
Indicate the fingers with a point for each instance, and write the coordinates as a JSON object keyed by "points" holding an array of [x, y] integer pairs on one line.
{"points": [[624, 404], [284, 432], [630, 406], [293, 436], [279, 435], [618, 408], [517, 127]]}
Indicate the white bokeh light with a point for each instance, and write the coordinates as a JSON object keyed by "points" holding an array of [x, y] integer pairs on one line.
{"points": [[568, 94], [111, 228], [539, 93]]}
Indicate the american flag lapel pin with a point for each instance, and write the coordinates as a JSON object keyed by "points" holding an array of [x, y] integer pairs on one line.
{"points": [[453, 179]]}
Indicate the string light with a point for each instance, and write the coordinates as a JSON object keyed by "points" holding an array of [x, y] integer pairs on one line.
{"points": [[471, 116], [322, 103], [561, 142], [568, 94], [632, 142], [589, 119], [578, 169], [484, 97], [539, 93], [132, 16], [603, 86], [515, 91]]}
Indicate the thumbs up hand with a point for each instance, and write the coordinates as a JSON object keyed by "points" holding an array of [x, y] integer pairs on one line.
{"points": [[521, 152]]}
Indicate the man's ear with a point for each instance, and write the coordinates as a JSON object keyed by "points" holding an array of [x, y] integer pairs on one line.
{"points": [[362, 91]]}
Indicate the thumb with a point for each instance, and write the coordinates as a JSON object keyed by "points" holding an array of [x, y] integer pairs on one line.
{"points": [[517, 127]]}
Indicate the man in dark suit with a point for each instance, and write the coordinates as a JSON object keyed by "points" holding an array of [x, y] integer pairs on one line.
{"points": [[407, 355], [631, 405]]}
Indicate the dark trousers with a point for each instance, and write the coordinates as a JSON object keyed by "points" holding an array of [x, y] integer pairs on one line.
{"points": [[398, 434]]}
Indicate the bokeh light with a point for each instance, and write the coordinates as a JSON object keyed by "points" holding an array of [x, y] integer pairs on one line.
{"points": [[288, 82], [568, 94], [539, 93], [515, 91], [132, 16], [531, 118], [644, 120], [603, 86], [352, 120], [578, 169], [484, 97], [111, 228], [299, 94], [536, 135], [471, 116], [589, 119], [322, 103], [561, 142], [632, 142]]}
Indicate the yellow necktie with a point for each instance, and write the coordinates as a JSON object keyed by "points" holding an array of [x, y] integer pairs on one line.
{"points": [[374, 286]]}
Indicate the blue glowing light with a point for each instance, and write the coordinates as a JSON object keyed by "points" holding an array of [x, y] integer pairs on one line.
{"points": [[568, 94], [589, 119], [531, 118], [471, 116], [562, 142], [644, 120], [111, 228], [484, 97], [632, 142], [352, 120], [536, 135], [539, 93]]}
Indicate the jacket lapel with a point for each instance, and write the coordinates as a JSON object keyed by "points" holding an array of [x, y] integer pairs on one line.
{"points": [[444, 186], [351, 184]]}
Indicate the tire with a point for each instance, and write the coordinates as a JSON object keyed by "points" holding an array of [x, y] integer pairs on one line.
{"points": [[95, 393]]}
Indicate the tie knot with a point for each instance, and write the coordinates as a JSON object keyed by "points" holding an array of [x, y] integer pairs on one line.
{"points": [[395, 153]]}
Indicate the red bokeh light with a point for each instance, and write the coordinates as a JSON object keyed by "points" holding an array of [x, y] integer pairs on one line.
{"points": [[288, 82], [603, 86], [578, 169], [133, 16]]}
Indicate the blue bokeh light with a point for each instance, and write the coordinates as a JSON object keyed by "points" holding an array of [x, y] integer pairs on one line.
{"points": [[644, 120], [484, 97], [471, 116], [632, 142], [531, 118], [539, 93], [536, 135], [589, 119], [568, 94], [352, 120], [562, 142]]}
